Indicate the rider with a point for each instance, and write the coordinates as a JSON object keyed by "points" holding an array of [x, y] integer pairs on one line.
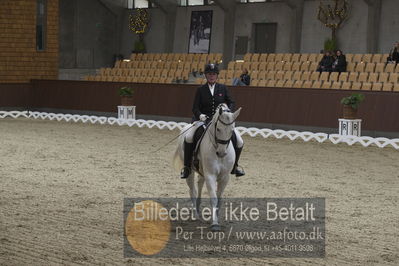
{"points": [[207, 99]]}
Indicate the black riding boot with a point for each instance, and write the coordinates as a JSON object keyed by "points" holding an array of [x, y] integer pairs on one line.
{"points": [[188, 155], [236, 171]]}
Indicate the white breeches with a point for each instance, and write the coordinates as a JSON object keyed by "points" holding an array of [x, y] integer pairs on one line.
{"points": [[189, 138], [240, 142]]}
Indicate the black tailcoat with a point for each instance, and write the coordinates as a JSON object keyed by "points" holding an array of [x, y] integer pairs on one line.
{"points": [[205, 103]]}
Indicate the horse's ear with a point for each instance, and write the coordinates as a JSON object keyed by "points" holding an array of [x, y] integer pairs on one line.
{"points": [[237, 113], [220, 110]]}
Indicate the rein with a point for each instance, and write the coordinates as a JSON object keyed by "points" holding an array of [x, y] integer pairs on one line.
{"points": [[174, 138]]}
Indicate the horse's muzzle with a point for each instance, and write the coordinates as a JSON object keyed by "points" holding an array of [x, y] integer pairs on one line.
{"points": [[221, 154]]}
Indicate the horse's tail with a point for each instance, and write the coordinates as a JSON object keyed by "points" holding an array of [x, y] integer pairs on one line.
{"points": [[178, 155]]}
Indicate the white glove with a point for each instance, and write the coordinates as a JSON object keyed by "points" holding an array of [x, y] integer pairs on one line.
{"points": [[203, 117]]}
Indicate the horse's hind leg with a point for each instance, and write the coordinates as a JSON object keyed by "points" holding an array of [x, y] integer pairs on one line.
{"points": [[193, 192]]}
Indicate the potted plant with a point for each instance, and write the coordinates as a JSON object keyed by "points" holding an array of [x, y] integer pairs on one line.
{"points": [[330, 45], [351, 104], [126, 94], [139, 47]]}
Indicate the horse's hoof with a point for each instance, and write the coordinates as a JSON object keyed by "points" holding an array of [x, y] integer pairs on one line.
{"points": [[215, 228]]}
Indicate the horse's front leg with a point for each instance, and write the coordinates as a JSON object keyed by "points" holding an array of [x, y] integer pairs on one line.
{"points": [[211, 186], [220, 189], [201, 181], [193, 193]]}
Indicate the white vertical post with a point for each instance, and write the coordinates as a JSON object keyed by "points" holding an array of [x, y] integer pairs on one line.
{"points": [[127, 112], [350, 127]]}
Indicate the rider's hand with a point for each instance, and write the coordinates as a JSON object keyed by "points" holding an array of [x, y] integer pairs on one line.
{"points": [[203, 117]]}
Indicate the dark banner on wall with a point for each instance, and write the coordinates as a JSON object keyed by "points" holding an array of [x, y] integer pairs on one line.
{"points": [[200, 32]]}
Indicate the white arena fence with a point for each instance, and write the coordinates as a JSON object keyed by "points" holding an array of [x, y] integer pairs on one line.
{"points": [[252, 131]]}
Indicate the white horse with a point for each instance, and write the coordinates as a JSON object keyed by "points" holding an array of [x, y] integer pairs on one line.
{"points": [[216, 160]]}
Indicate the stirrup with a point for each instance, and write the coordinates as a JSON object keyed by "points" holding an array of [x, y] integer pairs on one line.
{"points": [[185, 172], [238, 172]]}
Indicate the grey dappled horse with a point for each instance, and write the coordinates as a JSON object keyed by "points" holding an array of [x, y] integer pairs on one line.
{"points": [[216, 160]]}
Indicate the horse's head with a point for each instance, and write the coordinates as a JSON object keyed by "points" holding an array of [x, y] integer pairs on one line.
{"points": [[224, 123]]}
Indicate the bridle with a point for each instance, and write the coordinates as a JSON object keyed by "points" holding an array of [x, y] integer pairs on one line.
{"points": [[217, 140]]}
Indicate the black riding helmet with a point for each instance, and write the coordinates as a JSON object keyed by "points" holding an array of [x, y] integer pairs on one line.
{"points": [[211, 68]]}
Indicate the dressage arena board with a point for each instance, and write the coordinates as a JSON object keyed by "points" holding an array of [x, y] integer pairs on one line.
{"points": [[306, 136], [63, 184]]}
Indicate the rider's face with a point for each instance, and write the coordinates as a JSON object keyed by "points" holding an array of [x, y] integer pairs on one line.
{"points": [[211, 77]]}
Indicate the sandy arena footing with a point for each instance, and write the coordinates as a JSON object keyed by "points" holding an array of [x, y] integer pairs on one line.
{"points": [[63, 185]]}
